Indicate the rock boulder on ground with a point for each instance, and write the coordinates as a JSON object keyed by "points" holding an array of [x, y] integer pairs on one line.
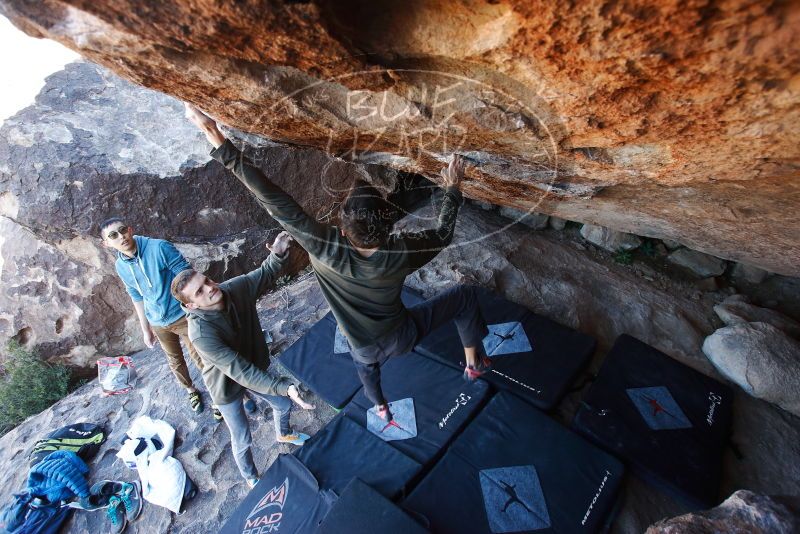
{"points": [[703, 265], [749, 273], [557, 223], [761, 359], [533, 220], [736, 310], [742, 512], [609, 239]]}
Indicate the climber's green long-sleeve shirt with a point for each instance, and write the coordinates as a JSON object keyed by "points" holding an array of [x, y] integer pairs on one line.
{"points": [[363, 293]]}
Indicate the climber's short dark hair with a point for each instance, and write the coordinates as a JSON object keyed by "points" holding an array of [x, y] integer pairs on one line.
{"points": [[366, 216]]}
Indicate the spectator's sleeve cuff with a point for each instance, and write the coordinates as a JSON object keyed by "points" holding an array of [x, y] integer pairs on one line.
{"points": [[283, 386]]}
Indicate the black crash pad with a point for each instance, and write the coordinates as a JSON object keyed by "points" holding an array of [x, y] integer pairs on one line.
{"points": [[670, 422], [321, 360], [441, 403], [532, 356], [362, 510], [514, 469], [287, 499], [343, 450]]}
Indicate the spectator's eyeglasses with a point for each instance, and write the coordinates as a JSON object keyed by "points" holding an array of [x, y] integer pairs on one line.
{"points": [[112, 235]]}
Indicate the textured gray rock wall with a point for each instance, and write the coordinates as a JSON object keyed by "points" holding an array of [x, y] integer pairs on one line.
{"points": [[744, 511], [202, 445], [93, 146], [65, 306]]}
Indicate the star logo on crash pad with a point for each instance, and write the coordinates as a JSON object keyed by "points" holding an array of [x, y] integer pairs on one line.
{"points": [[506, 338], [658, 408], [340, 343], [402, 426], [513, 499]]}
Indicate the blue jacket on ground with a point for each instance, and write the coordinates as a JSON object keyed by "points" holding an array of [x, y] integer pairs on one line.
{"points": [[148, 275], [60, 476]]}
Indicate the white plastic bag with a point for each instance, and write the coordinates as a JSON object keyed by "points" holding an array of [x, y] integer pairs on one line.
{"points": [[162, 476], [116, 374]]}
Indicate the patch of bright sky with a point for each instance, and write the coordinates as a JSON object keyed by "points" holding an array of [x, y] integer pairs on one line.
{"points": [[25, 63]]}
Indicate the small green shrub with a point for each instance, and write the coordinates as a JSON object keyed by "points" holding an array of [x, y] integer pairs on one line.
{"points": [[282, 281], [624, 257], [287, 279], [28, 386], [648, 248]]}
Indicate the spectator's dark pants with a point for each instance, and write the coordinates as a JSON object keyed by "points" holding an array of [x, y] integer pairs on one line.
{"points": [[459, 303]]}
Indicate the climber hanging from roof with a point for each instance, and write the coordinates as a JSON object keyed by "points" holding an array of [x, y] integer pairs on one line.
{"points": [[361, 267]]}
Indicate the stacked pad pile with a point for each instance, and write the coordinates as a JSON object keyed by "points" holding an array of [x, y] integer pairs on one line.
{"points": [[460, 457], [432, 405], [528, 472], [532, 356], [669, 422]]}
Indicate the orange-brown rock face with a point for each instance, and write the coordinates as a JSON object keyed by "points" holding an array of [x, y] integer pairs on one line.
{"points": [[673, 119]]}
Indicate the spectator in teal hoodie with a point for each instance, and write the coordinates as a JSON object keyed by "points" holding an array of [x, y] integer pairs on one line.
{"points": [[147, 267]]}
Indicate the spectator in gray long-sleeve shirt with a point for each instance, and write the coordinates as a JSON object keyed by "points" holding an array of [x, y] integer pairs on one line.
{"points": [[361, 267], [225, 329]]}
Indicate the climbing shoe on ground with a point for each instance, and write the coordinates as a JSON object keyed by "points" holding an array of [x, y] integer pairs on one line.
{"points": [[382, 411], [217, 414], [251, 482], [101, 492], [116, 515], [131, 495], [295, 438], [471, 373], [196, 401], [98, 496]]}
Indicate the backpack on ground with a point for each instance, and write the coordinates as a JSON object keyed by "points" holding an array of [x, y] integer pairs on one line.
{"points": [[84, 439], [31, 515]]}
